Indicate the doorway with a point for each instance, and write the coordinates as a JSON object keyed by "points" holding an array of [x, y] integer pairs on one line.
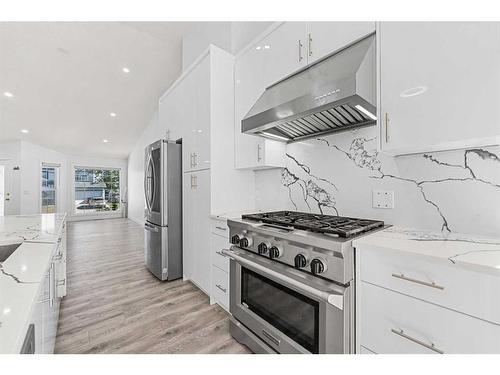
{"points": [[49, 188]]}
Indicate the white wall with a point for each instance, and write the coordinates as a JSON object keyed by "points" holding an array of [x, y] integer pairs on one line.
{"points": [[205, 33], [10, 157], [24, 185], [32, 157], [230, 36]]}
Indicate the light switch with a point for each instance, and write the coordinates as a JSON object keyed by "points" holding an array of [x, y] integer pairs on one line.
{"points": [[383, 198]]}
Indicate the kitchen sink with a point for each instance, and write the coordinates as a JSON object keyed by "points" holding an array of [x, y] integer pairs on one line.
{"points": [[7, 250]]}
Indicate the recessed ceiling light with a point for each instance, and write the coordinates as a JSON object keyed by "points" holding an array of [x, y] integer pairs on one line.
{"points": [[105, 140], [25, 131], [112, 114], [125, 70], [258, 47], [8, 94], [267, 47]]}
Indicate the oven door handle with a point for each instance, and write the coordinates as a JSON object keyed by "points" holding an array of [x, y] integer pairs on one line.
{"points": [[332, 297]]}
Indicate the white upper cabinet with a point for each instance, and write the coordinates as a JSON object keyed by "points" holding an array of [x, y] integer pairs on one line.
{"points": [[324, 38], [250, 82], [283, 51], [439, 85]]}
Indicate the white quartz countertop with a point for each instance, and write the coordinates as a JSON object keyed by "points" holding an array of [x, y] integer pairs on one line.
{"points": [[473, 252], [22, 273]]}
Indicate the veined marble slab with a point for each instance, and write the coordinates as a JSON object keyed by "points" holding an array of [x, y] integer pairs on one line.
{"points": [[477, 253], [22, 273], [37, 228]]}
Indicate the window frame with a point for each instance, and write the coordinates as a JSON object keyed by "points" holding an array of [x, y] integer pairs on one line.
{"points": [[82, 213], [57, 183]]}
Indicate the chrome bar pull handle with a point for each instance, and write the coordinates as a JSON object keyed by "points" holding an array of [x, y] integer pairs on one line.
{"points": [[221, 288], [221, 228], [430, 346], [300, 51], [431, 284], [259, 157], [310, 44]]}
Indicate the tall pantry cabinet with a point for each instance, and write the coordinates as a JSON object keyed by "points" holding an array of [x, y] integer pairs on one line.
{"points": [[199, 108]]}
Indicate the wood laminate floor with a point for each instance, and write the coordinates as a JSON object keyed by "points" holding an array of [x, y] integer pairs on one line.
{"points": [[114, 305]]}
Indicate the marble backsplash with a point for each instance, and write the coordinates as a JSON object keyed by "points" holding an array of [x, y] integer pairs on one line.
{"points": [[453, 191]]}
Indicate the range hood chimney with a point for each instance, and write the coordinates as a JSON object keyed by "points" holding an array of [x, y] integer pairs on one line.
{"points": [[335, 94]]}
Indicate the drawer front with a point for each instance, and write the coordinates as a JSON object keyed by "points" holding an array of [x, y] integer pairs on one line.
{"points": [[391, 322], [456, 288], [218, 259], [220, 287], [219, 227]]}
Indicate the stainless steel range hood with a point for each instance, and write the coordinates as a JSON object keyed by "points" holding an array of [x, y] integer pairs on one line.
{"points": [[335, 94]]}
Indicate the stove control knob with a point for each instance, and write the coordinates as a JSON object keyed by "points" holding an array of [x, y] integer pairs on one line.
{"points": [[300, 261], [317, 266], [274, 252], [262, 248], [235, 240], [245, 242]]}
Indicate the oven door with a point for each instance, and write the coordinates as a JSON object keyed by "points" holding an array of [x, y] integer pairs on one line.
{"points": [[291, 311]]}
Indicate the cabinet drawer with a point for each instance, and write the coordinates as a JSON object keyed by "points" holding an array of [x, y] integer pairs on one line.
{"points": [[220, 287], [391, 322], [456, 288], [219, 227], [219, 259]]}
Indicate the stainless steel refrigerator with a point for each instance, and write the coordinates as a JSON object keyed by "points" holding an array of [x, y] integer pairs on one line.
{"points": [[163, 212]]}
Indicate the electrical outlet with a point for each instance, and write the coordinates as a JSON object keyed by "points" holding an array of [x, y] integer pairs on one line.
{"points": [[383, 198]]}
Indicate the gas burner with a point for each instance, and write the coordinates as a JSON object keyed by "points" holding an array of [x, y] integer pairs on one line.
{"points": [[328, 224]]}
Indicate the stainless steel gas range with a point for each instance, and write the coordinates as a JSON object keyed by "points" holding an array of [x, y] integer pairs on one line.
{"points": [[292, 281]]}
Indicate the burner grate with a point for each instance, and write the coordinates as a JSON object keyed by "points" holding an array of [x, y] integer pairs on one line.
{"points": [[342, 226]]}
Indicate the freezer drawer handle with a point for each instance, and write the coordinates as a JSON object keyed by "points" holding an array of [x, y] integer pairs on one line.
{"points": [[221, 228], [221, 288], [431, 284], [430, 346]]}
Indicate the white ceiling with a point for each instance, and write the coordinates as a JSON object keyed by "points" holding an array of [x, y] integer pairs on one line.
{"points": [[67, 78]]}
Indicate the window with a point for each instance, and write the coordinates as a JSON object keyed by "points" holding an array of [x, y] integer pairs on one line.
{"points": [[49, 188], [97, 190]]}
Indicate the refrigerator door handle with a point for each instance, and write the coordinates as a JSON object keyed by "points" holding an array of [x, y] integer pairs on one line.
{"points": [[146, 185], [151, 228]]}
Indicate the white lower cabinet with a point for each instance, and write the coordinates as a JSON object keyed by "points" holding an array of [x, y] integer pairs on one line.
{"points": [[407, 302], [220, 287], [196, 228], [45, 312], [395, 323], [220, 264]]}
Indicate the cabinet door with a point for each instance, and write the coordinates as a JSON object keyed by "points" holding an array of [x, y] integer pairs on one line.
{"points": [[439, 85], [284, 51], [250, 83], [198, 91], [201, 230], [188, 226], [324, 38]]}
